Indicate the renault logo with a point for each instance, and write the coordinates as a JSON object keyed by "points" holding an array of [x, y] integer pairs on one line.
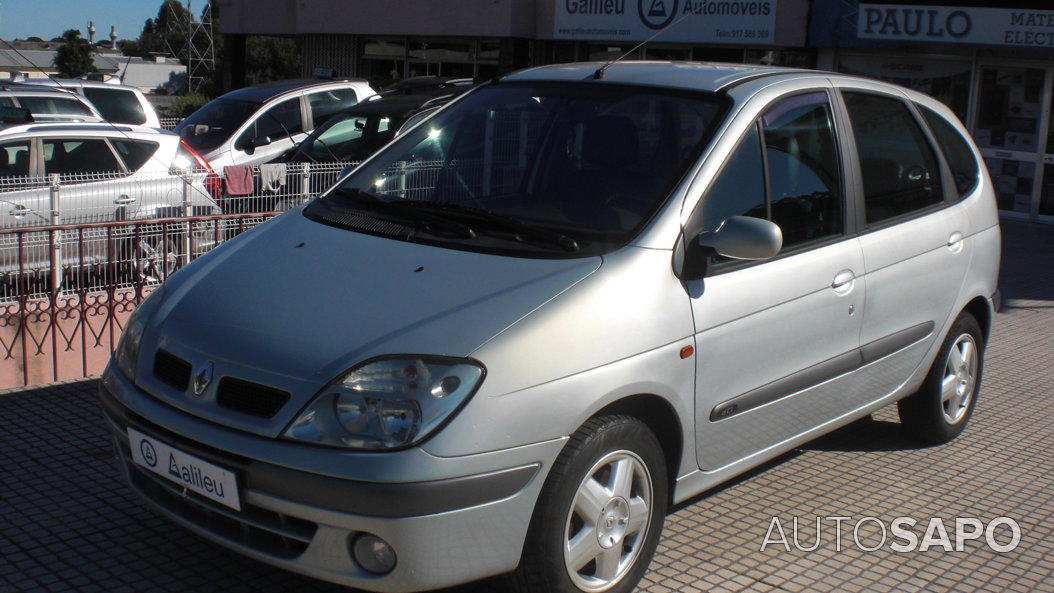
{"points": [[203, 378]]}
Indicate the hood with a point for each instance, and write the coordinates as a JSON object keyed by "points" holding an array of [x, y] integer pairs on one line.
{"points": [[293, 303]]}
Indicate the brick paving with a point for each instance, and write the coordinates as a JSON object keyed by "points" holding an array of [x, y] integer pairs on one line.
{"points": [[67, 523]]}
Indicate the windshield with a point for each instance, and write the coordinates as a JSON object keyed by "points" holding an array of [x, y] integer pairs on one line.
{"points": [[589, 161], [209, 127], [348, 138]]}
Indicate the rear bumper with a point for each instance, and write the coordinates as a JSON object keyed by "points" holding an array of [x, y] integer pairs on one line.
{"points": [[445, 532]]}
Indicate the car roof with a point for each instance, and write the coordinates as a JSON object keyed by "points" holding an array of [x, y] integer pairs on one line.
{"points": [[91, 129], [18, 88], [262, 93], [699, 76], [80, 82]]}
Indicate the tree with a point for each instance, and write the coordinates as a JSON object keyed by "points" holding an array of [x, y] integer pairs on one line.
{"points": [[74, 58]]}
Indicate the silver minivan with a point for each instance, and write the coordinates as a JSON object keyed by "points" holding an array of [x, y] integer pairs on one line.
{"points": [[512, 338]]}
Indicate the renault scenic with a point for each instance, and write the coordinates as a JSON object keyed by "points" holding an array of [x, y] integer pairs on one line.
{"points": [[512, 338]]}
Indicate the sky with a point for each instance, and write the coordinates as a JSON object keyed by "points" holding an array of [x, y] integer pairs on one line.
{"points": [[49, 18]]}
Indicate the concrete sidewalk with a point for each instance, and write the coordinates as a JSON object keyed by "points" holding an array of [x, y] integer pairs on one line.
{"points": [[68, 524]]}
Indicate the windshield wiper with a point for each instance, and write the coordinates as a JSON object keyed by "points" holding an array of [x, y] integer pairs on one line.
{"points": [[525, 232], [400, 209]]}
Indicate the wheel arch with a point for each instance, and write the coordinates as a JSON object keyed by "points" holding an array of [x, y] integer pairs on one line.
{"points": [[659, 415], [980, 308]]}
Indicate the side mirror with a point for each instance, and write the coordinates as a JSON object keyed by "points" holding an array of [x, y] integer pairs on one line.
{"points": [[743, 237]]}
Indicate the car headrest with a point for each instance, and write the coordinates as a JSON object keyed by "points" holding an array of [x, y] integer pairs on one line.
{"points": [[609, 141]]}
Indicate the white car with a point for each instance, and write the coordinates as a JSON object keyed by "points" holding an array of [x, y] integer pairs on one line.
{"points": [[106, 172], [255, 124], [117, 103], [47, 104]]}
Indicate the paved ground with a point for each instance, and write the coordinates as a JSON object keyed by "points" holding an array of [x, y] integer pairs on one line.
{"points": [[66, 524]]}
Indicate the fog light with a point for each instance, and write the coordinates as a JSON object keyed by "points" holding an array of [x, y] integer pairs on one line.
{"points": [[373, 554]]}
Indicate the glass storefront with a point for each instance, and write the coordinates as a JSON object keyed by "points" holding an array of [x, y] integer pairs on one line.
{"points": [[387, 60]]}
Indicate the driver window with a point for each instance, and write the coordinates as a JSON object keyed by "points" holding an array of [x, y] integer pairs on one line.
{"points": [[805, 197], [899, 168], [280, 121]]}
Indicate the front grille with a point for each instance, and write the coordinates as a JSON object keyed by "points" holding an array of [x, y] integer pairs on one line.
{"points": [[250, 398], [172, 370]]}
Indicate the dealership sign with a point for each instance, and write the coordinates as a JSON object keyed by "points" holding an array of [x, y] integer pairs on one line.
{"points": [[952, 24], [685, 21]]}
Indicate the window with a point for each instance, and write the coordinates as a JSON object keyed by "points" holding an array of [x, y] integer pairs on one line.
{"points": [[117, 105], [805, 196], [803, 191], [212, 125], [956, 151], [14, 159], [739, 189], [898, 166], [79, 157], [54, 106], [590, 162], [6, 102], [280, 121], [135, 153], [327, 103]]}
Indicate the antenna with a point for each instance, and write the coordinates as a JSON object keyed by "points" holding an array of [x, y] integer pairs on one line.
{"points": [[199, 46], [599, 74]]}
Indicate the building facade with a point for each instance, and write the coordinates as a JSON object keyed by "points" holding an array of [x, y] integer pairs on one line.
{"points": [[992, 61]]}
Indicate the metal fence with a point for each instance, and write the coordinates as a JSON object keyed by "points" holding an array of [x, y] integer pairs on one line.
{"points": [[169, 123], [76, 198], [66, 290]]}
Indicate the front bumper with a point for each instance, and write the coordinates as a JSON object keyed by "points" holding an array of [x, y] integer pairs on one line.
{"points": [[445, 531]]}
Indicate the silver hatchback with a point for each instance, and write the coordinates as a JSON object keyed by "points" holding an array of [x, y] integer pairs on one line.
{"points": [[511, 339]]}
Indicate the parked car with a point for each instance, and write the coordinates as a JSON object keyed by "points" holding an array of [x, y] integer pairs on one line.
{"points": [[106, 172], [511, 339], [255, 124], [356, 133], [117, 103], [48, 104]]}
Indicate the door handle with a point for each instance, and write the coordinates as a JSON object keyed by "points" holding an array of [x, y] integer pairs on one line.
{"points": [[843, 282], [124, 199], [19, 211], [955, 242]]}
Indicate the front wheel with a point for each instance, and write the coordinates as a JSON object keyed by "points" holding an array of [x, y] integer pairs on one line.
{"points": [[600, 513]]}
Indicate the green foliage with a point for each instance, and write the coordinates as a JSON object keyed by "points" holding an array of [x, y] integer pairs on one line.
{"points": [[270, 58], [187, 104], [74, 58]]}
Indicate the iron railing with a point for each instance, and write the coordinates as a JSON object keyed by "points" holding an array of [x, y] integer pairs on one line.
{"points": [[61, 314], [168, 123]]}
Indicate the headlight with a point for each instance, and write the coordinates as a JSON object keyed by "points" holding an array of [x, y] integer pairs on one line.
{"points": [[126, 355], [388, 403]]}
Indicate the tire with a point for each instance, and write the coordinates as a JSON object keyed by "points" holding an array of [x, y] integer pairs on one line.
{"points": [[617, 548], [941, 408]]}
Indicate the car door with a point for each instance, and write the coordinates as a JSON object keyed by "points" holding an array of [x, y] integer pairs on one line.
{"points": [[24, 202], [915, 251], [774, 337], [276, 129]]}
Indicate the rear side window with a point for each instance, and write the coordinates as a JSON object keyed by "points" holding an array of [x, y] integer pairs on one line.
{"points": [[79, 159], [899, 168], [326, 104], [117, 105], [956, 149], [135, 153], [54, 105], [6, 102]]}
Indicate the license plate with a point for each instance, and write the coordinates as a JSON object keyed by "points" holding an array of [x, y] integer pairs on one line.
{"points": [[194, 474]]}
